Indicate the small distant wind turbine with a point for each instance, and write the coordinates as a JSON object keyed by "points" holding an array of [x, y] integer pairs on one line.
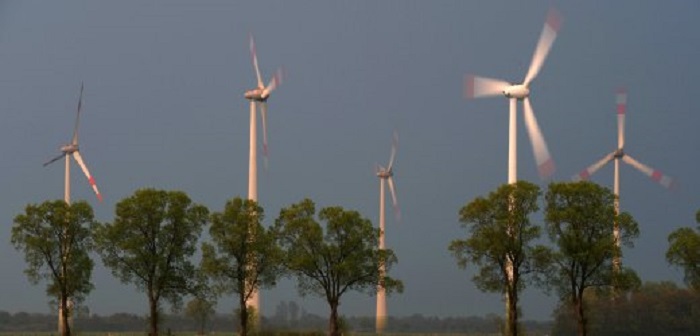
{"points": [[258, 95], [485, 87], [617, 155], [385, 174], [71, 149], [67, 151]]}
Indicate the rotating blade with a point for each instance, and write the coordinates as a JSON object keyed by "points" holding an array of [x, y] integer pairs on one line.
{"points": [[545, 165], [654, 174], [275, 81], [621, 99], [54, 159], [74, 141], [586, 173], [549, 34], [90, 179], [476, 87], [394, 147], [394, 200], [253, 54]]}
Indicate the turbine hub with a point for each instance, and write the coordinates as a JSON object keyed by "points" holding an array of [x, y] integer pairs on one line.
{"points": [[257, 94], [619, 153], [69, 149], [383, 173], [519, 91]]}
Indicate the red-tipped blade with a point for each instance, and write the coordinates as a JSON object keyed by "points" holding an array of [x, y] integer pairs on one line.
{"points": [[263, 114], [253, 54], [545, 164], [74, 141], [394, 147], [549, 34], [91, 180], [586, 173], [654, 174], [394, 200]]}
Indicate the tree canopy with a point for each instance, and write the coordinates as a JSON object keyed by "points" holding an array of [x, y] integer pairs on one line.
{"points": [[580, 221], [150, 243], [343, 257], [244, 256], [56, 242], [502, 237], [684, 252]]}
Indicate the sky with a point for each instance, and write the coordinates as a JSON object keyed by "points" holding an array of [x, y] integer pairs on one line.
{"points": [[164, 108]]}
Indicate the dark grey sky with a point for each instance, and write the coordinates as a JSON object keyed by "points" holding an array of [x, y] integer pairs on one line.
{"points": [[164, 108]]}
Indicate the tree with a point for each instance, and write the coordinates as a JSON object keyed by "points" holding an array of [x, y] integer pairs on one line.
{"points": [[344, 258], [149, 244], [244, 256], [580, 219], [200, 310], [684, 252], [502, 236], [56, 241]]}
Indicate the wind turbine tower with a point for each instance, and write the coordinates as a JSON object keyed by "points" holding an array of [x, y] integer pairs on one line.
{"points": [[385, 175], [68, 151], [477, 87], [258, 96]]}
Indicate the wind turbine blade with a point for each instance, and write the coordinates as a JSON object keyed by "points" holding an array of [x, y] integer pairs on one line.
{"points": [[621, 99], [395, 202], [54, 159], [654, 174], [394, 147], [82, 165], [275, 81], [476, 87], [545, 165], [253, 54], [77, 117], [263, 114], [586, 173], [549, 34]]}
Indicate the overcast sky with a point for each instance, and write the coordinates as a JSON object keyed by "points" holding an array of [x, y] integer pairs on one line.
{"points": [[164, 108]]}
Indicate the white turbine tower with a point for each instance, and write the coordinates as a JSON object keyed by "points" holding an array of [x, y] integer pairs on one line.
{"points": [[385, 174], [67, 151], [617, 155], [477, 87], [258, 96]]}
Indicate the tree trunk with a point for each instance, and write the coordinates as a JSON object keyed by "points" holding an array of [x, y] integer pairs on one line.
{"points": [[333, 327], [512, 322], [153, 305], [64, 306], [580, 318], [243, 318]]}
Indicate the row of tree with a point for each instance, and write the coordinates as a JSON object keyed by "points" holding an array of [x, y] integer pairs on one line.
{"points": [[586, 232], [155, 234]]}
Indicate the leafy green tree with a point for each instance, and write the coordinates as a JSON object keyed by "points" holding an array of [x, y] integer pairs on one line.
{"points": [[200, 310], [684, 252], [345, 257], [56, 241], [150, 243], [244, 256], [580, 219], [502, 235]]}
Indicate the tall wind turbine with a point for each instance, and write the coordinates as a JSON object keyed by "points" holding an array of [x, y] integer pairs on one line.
{"points": [[477, 87], [617, 155], [67, 151], [258, 96], [385, 174]]}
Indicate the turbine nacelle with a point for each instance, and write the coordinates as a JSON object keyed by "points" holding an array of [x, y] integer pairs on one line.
{"points": [[619, 153], [259, 95], [69, 149], [520, 91], [384, 173]]}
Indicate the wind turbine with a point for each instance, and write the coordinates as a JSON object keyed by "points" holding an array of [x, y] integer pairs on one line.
{"points": [[617, 155], [258, 96], [385, 174], [477, 87], [72, 150], [67, 151]]}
